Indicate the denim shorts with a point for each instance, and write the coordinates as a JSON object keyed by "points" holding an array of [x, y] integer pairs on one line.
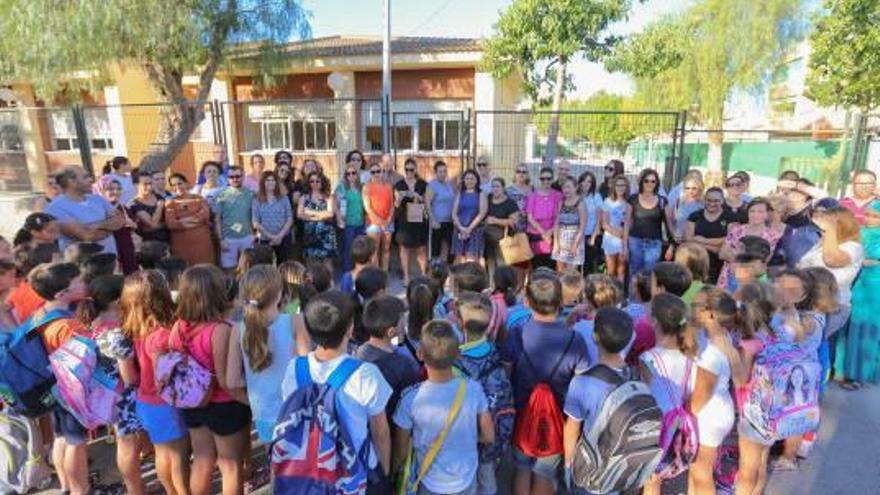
{"points": [[68, 427], [378, 229], [542, 467]]}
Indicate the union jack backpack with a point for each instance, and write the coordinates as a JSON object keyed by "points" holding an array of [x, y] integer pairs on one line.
{"points": [[312, 451]]}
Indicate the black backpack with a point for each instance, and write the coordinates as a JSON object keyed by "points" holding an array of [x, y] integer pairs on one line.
{"points": [[622, 449]]}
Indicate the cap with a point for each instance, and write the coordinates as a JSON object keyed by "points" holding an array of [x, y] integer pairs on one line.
{"points": [[383, 311]]}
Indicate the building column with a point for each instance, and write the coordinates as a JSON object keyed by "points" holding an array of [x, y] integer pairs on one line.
{"points": [[345, 115], [32, 137]]}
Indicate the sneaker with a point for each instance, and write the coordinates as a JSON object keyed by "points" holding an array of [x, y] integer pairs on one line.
{"points": [[781, 465]]}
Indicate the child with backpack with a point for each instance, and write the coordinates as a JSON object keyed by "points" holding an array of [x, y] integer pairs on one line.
{"points": [[479, 361], [147, 312], [101, 312], [601, 291], [7, 284], [669, 369], [573, 285], [612, 427], [214, 413], [441, 421], [380, 319], [358, 394], [666, 278], [544, 354]]}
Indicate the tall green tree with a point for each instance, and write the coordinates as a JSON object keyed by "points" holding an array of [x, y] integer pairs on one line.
{"points": [[698, 59], [539, 38], [845, 59], [601, 129], [65, 47]]}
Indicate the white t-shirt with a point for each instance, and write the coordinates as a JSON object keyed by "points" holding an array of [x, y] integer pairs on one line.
{"points": [[668, 376], [716, 418], [844, 275], [363, 396], [423, 410]]}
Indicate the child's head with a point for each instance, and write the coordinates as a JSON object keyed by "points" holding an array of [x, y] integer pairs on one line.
{"points": [[104, 293], [145, 304], [670, 277], [613, 330], [7, 276], [328, 317], [759, 301], [381, 316], [795, 288], [756, 246], [98, 265], [80, 251], [603, 291], [474, 312], [172, 268], [60, 282], [293, 273], [544, 293], [259, 290], [29, 256], [439, 345], [572, 288], [747, 267], [640, 286], [150, 253], [695, 258], [202, 295], [714, 306], [319, 276], [259, 254], [506, 282], [370, 282], [362, 250], [825, 289], [438, 272], [670, 317], [421, 296], [469, 276]]}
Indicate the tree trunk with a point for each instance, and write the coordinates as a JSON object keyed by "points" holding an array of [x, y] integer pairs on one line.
{"points": [[553, 134], [715, 158], [177, 123]]}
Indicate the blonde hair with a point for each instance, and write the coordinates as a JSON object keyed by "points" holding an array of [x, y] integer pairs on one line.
{"points": [[293, 276], [695, 258], [145, 304], [847, 225], [259, 288], [572, 288], [603, 291]]}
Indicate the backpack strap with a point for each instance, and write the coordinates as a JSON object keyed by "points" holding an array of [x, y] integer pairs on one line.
{"points": [[412, 350], [44, 318], [606, 374], [341, 374], [303, 376], [438, 442], [558, 363]]}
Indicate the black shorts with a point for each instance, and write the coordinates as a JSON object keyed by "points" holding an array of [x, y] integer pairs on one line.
{"points": [[222, 418], [68, 427]]}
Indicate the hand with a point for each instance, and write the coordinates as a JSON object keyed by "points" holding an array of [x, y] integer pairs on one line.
{"points": [[160, 204], [340, 224], [130, 223], [592, 241], [435, 225]]}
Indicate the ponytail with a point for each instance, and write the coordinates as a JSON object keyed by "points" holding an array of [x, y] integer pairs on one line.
{"points": [[420, 298], [671, 315], [256, 337], [23, 236]]}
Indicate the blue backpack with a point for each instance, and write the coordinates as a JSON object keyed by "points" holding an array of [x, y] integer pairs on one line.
{"points": [[26, 381], [312, 451], [491, 375]]}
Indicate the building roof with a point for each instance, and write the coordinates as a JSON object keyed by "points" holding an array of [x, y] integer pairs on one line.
{"points": [[346, 46]]}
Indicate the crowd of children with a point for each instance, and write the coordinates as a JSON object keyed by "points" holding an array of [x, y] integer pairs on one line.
{"points": [[540, 381]]}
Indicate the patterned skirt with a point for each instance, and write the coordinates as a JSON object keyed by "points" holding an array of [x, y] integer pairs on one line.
{"points": [[562, 250], [471, 247]]}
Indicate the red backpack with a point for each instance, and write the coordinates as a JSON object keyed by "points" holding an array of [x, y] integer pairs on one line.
{"points": [[538, 431]]}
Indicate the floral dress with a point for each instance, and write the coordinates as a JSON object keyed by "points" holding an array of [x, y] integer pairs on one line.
{"points": [[113, 344], [569, 222], [319, 237], [737, 232]]}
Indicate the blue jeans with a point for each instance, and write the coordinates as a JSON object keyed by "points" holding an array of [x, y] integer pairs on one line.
{"points": [[643, 254], [348, 235]]}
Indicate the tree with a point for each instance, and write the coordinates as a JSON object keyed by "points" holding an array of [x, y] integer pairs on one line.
{"points": [[68, 47], [698, 59], [844, 65], [540, 38], [611, 129]]}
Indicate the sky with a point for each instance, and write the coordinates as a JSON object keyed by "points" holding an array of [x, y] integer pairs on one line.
{"points": [[471, 18]]}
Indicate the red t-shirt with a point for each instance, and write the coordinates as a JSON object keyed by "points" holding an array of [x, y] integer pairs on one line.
{"points": [[380, 196]]}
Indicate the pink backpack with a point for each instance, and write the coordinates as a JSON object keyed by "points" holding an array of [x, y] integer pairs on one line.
{"points": [[679, 436], [182, 381], [87, 384]]}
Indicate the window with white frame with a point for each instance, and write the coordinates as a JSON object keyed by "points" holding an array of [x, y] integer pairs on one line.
{"points": [[63, 130], [314, 135], [276, 134], [439, 134], [401, 137]]}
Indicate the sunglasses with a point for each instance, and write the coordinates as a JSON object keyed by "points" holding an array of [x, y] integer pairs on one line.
{"points": [[410, 169], [546, 179], [610, 169], [235, 177], [351, 173], [482, 164], [522, 171], [375, 172]]}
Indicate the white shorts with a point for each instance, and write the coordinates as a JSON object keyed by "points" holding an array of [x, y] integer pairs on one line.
{"points": [[715, 421], [612, 244], [375, 229], [234, 247]]}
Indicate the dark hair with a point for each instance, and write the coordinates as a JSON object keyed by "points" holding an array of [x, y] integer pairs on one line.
{"points": [[506, 281], [116, 162], [172, 267], [370, 281], [671, 314], [809, 300], [759, 201], [789, 175], [499, 180], [438, 272], [544, 293], [742, 174], [759, 298], [618, 168], [262, 193], [411, 161], [178, 176], [328, 317], [714, 189], [462, 187], [362, 249], [280, 153], [756, 245], [98, 265], [27, 257], [137, 175], [210, 163], [35, 222], [420, 298], [644, 175], [319, 276], [49, 279], [325, 182], [469, 276], [80, 251], [64, 176], [438, 164], [352, 153], [583, 177], [613, 329], [732, 315], [544, 170], [672, 277], [103, 291], [439, 344], [150, 253], [258, 254], [642, 285]]}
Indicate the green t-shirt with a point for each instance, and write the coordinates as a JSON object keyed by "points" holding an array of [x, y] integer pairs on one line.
{"points": [[354, 205], [692, 291], [234, 207]]}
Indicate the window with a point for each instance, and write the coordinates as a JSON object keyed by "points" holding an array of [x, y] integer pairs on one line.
{"points": [[276, 135], [314, 135], [401, 137], [374, 137], [439, 135], [63, 130]]}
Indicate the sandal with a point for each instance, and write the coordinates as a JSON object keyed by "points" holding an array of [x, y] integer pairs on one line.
{"points": [[781, 465]]}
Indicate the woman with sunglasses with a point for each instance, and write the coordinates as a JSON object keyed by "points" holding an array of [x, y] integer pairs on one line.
{"points": [[412, 229], [350, 212], [612, 169], [379, 205], [734, 201], [485, 174], [518, 191], [468, 212], [643, 231], [613, 216], [568, 232], [542, 207], [708, 228], [592, 202], [273, 216], [438, 199], [317, 209]]}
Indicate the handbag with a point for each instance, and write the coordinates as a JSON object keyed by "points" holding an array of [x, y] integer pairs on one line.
{"points": [[405, 487], [415, 212], [515, 248]]}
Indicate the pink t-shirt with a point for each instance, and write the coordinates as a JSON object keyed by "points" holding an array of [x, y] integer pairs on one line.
{"points": [[543, 208], [859, 211]]}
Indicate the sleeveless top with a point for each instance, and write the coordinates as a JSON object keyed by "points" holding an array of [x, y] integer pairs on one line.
{"points": [[468, 207], [647, 222], [264, 386], [198, 344], [441, 203], [568, 216]]}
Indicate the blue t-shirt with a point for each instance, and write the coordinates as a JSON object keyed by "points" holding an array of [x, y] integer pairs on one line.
{"points": [[544, 343], [584, 329], [91, 210]]}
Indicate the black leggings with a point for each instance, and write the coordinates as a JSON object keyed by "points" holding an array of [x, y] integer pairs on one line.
{"points": [[438, 238]]}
